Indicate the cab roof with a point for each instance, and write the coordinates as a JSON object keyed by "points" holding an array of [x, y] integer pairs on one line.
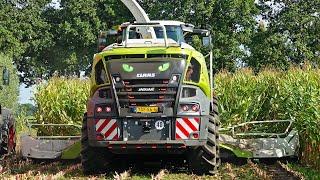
{"points": [[168, 22]]}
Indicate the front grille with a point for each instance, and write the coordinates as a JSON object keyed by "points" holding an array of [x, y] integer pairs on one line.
{"points": [[146, 92], [183, 56], [124, 56]]}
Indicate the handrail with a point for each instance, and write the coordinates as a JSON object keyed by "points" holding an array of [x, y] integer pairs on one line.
{"points": [[30, 125], [34, 124], [232, 128], [150, 25]]}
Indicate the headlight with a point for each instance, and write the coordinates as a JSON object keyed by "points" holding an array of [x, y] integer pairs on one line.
{"points": [[103, 109], [189, 109]]}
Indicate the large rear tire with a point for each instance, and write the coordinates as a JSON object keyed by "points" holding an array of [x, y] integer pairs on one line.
{"points": [[8, 141], [205, 159], [93, 159]]}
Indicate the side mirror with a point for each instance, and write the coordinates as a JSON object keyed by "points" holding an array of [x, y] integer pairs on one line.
{"points": [[206, 41], [6, 76], [187, 27], [103, 38]]}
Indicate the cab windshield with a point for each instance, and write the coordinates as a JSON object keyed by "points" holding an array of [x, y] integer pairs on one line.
{"points": [[173, 32]]}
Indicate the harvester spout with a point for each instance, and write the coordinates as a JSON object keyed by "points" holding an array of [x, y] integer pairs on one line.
{"points": [[141, 17], [136, 10]]}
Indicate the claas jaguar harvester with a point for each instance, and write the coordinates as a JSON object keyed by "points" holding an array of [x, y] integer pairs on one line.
{"points": [[150, 94]]}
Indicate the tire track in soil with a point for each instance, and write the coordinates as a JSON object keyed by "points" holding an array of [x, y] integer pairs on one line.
{"points": [[21, 168], [275, 171]]}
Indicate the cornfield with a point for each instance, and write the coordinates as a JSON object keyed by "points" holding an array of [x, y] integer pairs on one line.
{"points": [[270, 95], [243, 96], [61, 101]]}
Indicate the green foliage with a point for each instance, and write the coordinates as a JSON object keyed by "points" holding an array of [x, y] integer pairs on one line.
{"points": [[24, 33], [9, 94], [28, 109], [61, 101], [24, 112], [292, 35], [277, 95], [63, 39], [46, 39], [307, 172], [231, 23], [300, 23], [243, 96], [21, 117]]}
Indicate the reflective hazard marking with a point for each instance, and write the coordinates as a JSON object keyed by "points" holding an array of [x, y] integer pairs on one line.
{"points": [[108, 128], [186, 126]]}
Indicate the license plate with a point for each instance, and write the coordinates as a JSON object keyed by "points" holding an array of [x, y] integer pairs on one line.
{"points": [[146, 109]]}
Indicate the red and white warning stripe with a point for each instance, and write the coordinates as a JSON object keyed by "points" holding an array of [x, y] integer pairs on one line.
{"points": [[186, 126], [108, 128]]}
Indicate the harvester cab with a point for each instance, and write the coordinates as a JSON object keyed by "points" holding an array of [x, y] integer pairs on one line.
{"points": [[7, 121]]}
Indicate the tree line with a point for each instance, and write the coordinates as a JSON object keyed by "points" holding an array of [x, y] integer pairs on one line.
{"points": [[9, 94], [44, 38]]}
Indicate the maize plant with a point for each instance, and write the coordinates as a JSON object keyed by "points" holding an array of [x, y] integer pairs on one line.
{"points": [[275, 95], [61, 101], [243, 96]]}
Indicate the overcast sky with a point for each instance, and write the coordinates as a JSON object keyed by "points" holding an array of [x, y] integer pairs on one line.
{"points": [[25, 94]]}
